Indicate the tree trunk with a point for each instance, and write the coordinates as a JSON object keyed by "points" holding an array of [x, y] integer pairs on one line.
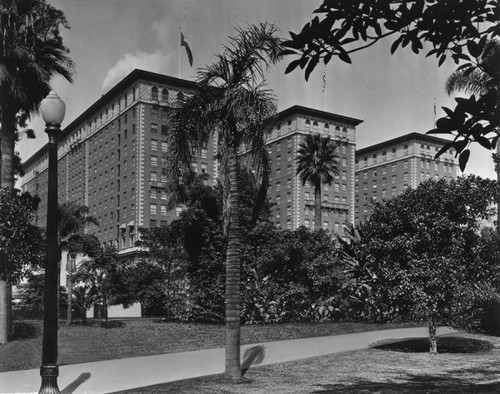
{"points": [[69, 285], [7, 144], [432, 334], [497, 168], [105, 311], [233, 272], [317, 205]]}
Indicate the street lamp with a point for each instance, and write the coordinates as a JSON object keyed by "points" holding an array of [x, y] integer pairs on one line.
{"points": [[52, 109]]}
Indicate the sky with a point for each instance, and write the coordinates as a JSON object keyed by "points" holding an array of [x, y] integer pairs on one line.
{"points": [[393, 95]]}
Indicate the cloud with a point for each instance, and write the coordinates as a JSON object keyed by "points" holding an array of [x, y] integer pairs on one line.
{"points": [[157, 61]]}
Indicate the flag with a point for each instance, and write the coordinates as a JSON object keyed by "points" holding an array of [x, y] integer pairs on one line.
{"points": [[188, 50], [324, 78]]}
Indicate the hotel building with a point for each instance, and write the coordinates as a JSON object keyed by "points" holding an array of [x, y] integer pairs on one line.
{"points": [[385, 170], [110, 159]]}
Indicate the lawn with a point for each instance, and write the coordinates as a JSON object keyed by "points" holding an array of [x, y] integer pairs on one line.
{"points": [[366, 371], [142, 337]]}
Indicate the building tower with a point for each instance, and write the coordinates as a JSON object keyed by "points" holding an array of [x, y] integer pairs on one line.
{"points": [[386, 169]]}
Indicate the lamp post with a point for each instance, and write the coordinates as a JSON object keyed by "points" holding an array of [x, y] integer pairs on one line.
{"points": [[52, 109]]}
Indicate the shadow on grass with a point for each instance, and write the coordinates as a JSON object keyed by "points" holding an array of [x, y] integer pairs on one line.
{"points": [[23, 330], [448, 344], [414, 384], [112, 324]]}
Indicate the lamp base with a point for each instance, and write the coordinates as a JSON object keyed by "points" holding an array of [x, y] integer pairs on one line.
{"points": [[49, 374]]}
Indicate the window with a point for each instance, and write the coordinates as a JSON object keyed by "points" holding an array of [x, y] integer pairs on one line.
{"points": [[154, 128], [325, 225], [154, 112], [289, 211], [154, 161], [336, 187], [154, 145], [288, 183], [306, 222], [152, 223], [154, 93], [164, 95], [344, 175], [152, 209], [164, 146], [289, 197], [163, 209], [178, 211], [203, 153], [307, 195], [278, 186], [203, 168], [164, 130], [154, 176]]}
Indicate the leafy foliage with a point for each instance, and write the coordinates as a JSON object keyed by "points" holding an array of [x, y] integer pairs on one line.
{"points": [[462, 30], [422, 249], [22, 245], [291, 276], [100, 273], [31, 294]]}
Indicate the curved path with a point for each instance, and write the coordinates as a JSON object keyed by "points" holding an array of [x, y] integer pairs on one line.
{"points": [[124, 374]]}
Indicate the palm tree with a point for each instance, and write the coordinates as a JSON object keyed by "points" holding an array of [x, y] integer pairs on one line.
{"points": [[317, 164], [73, 219], [31, 52], [233, 102], [481, 78]]}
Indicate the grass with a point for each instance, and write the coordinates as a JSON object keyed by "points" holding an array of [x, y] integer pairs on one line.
{"points": [[143, 337], [367, 371]]}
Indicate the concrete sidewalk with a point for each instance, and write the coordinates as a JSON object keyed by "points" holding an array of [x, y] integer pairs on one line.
{"points": [[123, 374]]}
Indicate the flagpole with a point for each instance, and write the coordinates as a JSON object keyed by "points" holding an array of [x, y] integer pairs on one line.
{"points": [[179, 57], [324, 87]]}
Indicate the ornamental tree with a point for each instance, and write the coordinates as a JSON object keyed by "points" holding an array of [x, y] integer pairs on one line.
{"points": [[420, 247]]}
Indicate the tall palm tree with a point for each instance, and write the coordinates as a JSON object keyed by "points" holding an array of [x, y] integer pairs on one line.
{"points": [[31, 52], [233, 102], [317, 164], [73, 219], [481, 78]]}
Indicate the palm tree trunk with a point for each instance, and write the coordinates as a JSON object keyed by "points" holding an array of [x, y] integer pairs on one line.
{"points": [[317, 205], [233, 273], [7, 144]]}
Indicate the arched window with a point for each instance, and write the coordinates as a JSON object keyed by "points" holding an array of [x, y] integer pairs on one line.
{"points": [[154, 93], [164, 94]]}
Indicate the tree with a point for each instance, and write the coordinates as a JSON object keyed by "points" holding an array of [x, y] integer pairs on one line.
{"points": [[73, 219], [480, 79], [31, 52], [159, 281], [22, 246], [317, 164], [421, 249], [458, 29], [100, 272], [233, 102]]}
